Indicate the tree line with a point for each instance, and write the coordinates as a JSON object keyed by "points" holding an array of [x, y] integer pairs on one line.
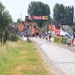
{"points": [[5, 20], [61, 14]]}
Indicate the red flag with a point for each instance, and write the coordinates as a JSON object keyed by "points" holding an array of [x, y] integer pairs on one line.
{"points": [[21, 27]]}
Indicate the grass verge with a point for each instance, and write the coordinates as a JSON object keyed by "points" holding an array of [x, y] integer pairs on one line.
{"points": [[21, 58]]}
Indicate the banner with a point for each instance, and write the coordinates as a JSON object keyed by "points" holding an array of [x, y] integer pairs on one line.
{"points": [[38, 17], [21, 27], [52, 27], [57, 31], [45, 17]]}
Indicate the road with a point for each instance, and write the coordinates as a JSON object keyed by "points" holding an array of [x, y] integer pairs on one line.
{"points": [[62, 58]]}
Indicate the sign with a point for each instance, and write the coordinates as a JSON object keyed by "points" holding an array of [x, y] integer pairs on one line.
{"points": [[38, 17], [45, 17]]}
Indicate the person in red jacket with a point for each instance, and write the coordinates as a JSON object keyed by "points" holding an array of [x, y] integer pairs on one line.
{"points": [[72, 41]]}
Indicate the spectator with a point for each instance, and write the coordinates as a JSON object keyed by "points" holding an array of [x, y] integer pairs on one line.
{"points": [[28, 39], [69, 42], [49, 37], [72, 41], [46, 38]]}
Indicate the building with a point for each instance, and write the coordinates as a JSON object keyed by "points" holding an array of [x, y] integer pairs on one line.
{"points": [[32, 28]]}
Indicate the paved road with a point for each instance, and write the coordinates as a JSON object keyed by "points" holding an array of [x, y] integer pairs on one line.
{"points": [[62, 58]]}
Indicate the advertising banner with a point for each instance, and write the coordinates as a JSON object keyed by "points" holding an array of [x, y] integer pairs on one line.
{"points": [[21, 27], [52, 27], [38, 17], [57, 31]]}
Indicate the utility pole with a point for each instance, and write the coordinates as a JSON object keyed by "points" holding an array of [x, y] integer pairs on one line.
{"points": [[21, 18], [47, 27]]}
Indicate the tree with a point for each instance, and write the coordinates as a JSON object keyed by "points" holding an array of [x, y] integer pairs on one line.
{"points": [[38, 9], [1, 13], [19, 20], [69, 15], [5, 19], [63, 14], [73, 28], [59, 13]]}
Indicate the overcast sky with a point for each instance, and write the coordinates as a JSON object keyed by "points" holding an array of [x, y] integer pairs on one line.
{"points": [[18, 8]]}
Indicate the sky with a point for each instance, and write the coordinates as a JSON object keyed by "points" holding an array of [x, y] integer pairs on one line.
{"points": [[18, 8]]}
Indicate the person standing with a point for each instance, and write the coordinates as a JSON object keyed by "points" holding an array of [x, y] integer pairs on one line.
{"points": [[49, 37], [46, 38], [73, 39], [69, 42]]}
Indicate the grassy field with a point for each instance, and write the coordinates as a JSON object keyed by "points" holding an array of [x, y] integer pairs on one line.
{"points": [[21, 58]]}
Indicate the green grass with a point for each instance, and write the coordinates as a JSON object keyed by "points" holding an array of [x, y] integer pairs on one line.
{"points": [[21, 58]]}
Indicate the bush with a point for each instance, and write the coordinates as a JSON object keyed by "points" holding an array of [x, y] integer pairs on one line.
{"points": [[13, 37], [59, 39], [73, 28], [64, 40]]}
